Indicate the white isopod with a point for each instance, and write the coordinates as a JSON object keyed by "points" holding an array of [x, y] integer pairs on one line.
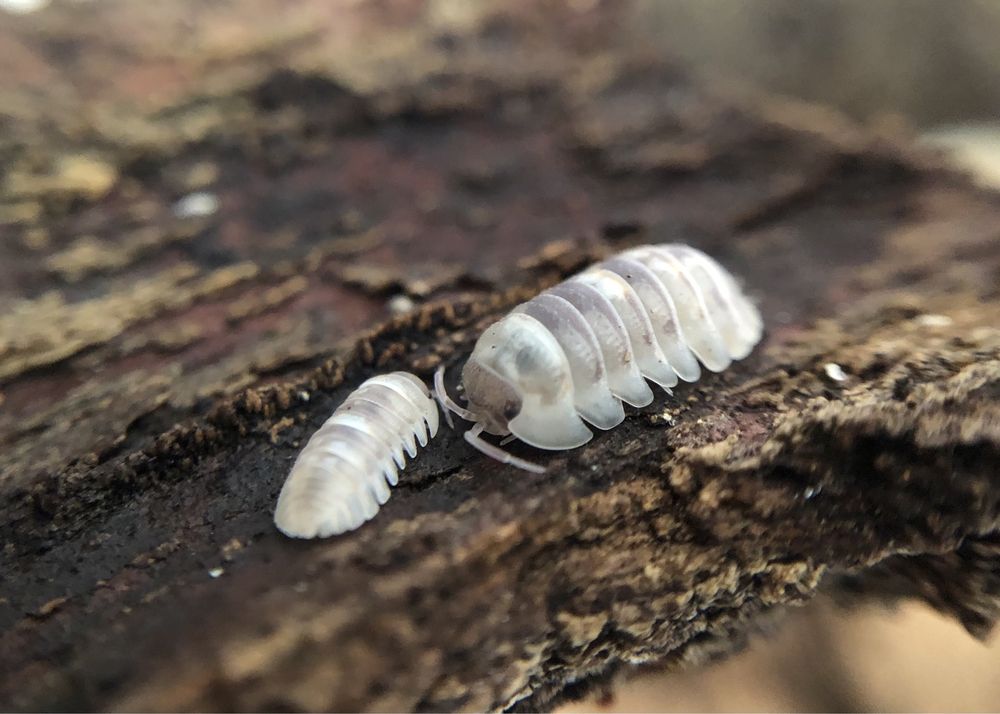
{"points": [[580, 349], [343, 474]]}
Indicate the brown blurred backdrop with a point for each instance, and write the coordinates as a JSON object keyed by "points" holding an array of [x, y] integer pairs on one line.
{"points": [[934, 62], [822, 658]]}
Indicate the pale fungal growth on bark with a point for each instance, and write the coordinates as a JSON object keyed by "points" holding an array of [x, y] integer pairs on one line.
{"points": [[343, 474], [577, 351]]}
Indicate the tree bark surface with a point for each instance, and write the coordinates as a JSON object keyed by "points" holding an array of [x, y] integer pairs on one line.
{"points": [[219, 219]]}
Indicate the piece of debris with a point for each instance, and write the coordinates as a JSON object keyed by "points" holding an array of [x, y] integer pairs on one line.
{"points": [[401, 304], [50, 607], [278, 427], [197, 205], [230, 548], [931, 320], [664, 417], [834, 371]]}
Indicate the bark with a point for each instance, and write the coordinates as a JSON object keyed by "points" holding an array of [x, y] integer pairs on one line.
{"points": [[159, 370]]}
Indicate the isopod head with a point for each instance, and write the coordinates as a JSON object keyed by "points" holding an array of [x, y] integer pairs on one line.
{"points": [[518, 382]]}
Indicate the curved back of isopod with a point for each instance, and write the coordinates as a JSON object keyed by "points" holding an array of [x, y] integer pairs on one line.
{"points": [[572, 355]]}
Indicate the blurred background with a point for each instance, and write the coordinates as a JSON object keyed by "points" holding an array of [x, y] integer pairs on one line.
{"points": [[929, 67], [823, 658], [933, 65]]}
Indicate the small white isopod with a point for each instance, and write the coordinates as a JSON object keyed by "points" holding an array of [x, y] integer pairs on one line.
{"points": [[580, 349], [343, 474]]}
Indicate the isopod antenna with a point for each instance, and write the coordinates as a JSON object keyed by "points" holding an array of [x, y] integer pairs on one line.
{"points": [[473, 435]]}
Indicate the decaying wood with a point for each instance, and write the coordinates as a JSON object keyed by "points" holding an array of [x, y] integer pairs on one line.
{"points": [[159, 370]]}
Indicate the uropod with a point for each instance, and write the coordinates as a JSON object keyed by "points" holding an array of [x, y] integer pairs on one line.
{"points": [[579, 350], [343, 474]]}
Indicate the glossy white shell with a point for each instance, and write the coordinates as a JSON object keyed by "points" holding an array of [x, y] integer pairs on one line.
{"points": [[343, 474], [577, 351]]}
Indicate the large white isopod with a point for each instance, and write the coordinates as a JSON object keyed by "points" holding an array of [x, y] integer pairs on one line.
{"points": [[572, 355]]}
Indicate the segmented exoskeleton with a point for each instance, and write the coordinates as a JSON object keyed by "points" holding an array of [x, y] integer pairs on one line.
{"points": [[343, 474], [580, 349]]}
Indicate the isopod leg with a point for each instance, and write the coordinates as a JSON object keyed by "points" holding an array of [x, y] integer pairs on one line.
{"points": [[495, 452], [446, 402]]}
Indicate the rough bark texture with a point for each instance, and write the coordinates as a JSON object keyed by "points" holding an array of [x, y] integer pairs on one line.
{"points": [[160, 370]]}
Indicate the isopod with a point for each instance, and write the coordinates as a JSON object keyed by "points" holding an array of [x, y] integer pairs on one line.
{"points": [[343, 473], [574, 353]]}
